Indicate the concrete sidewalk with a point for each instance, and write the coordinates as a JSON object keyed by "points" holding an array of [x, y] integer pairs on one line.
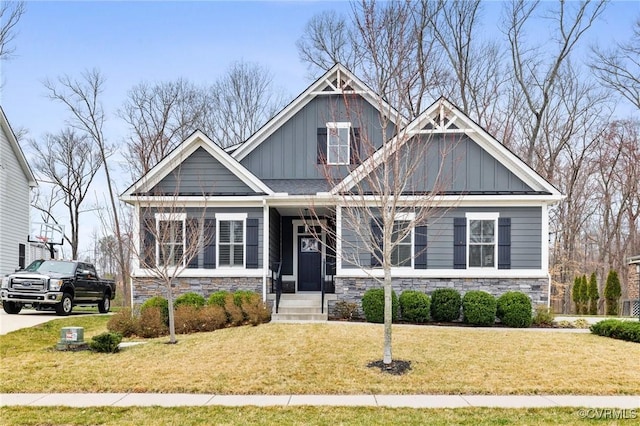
{"points": [[408, 401]]}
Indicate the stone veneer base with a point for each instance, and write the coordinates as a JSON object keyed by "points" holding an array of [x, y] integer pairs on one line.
{"points": [[144, 288]]}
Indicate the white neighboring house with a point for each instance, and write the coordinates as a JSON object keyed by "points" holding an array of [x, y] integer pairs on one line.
{"points": [[16, 182]]}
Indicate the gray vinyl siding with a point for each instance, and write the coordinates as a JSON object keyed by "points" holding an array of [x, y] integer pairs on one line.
{"points": [[201, 173], [455, 163], [526, 238], [291, 151], [14, 207], [210, 213]]}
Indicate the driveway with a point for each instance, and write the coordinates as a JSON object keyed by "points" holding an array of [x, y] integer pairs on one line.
{"points": [[27, 318]]}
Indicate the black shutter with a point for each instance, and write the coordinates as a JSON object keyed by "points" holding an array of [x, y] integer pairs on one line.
{"points": [[504, 243], [355, 146], [22, 255], [459, 243], [193, 246], [148, 243], [376, 233], [322, 145], [209, 244], [252, 243], [420, 247]]}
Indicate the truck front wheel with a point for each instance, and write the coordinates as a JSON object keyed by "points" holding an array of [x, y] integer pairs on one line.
{"points": [[65, 306], [12, 307], [105, 304]]}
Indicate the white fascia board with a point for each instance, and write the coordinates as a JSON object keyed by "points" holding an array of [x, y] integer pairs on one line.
{"points": [[304, 98], [477, 273], [204, 273], [455, 200]]}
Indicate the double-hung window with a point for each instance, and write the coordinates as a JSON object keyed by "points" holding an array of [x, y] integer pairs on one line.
{"points": [[338, 143], [482, 240], [401, 238], [170, 238], [231, 240]]}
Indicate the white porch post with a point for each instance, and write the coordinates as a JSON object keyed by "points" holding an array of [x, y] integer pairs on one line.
{"points": [[338, 238], [265, 248]]}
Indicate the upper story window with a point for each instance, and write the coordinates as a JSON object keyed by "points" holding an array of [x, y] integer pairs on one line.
{"points": [[170, 239], [482, 240], [231, 240], [338, 143]]}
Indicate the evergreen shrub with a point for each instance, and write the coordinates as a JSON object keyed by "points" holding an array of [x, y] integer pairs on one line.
{"points": [[479, 308], [105, 342], [514, 309], [445, 304], [190, 299], [373, 305], [157, 302], [218, 298], [414, 306]]}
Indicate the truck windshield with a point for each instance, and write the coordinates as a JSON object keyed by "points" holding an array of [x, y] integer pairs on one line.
{"points": [[57, 266], [33, 266]]}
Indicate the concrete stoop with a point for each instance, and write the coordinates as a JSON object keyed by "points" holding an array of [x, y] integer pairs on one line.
{"points": [[300, 307]]}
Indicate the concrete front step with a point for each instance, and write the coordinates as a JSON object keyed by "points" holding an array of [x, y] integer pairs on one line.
{"points": [[300, 307], [298, 317]]}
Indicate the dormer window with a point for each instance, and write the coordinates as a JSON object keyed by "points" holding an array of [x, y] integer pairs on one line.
{"points": [[338, 143]]}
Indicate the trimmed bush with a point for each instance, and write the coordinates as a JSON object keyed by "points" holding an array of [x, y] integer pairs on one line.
{"points": [[186, 319], [543, 317], [255, 310], [373, 305], [514, 309], [123, 322], [212, 317], [414, 306], [617, 329], [445, 304], [234, 312], [612, 293], [218, 298], [151, 323], [105, 342], [160, 303], [190, 299], [241, 296], [479, 308]]}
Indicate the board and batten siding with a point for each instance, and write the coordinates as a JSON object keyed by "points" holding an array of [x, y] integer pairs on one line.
{"points": [[291, 152], [526, 238], [202, 173], [14, 206], [455, 163]]}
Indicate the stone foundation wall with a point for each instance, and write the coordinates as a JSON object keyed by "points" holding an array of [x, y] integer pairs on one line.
{"points": [[144, 288], [352, 289]]}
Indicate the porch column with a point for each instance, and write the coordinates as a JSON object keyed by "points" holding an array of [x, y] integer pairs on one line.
{"points": [[265, 248], [338, 238]]}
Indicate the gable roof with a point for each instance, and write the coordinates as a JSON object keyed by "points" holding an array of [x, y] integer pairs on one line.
{"points": [[15, 146], [175, 158], [444, 117], [338, 80]]}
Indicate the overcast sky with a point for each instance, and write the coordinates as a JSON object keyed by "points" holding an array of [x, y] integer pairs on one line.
{"points": [[130, 42]]}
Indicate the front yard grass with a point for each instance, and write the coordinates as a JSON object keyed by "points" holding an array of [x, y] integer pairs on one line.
{"points": [[293, 416], [327, 358]]}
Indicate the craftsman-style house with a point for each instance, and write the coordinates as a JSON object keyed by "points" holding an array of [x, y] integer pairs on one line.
{"points": [[268, 204]]}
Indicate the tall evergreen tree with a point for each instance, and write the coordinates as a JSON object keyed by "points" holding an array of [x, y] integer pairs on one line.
{"points": [[594, 296], [576, 293], [612, 293]]}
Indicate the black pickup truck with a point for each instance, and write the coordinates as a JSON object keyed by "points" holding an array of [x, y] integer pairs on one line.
{"points": [[56, 284]]}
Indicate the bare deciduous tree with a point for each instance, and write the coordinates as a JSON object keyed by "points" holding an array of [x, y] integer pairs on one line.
{"points": [[69, 162], [82, 99], [10, 14], [619, 68]]}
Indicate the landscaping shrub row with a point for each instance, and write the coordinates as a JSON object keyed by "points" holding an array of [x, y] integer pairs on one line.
{"points": [[192, 313], [616, 329], [480, 308]]}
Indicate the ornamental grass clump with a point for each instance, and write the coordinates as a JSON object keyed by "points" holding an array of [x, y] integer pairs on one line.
{"points": [[543, 317], [479, 308], [373, 305], [514, 309], [445, 305], [415, 306]]}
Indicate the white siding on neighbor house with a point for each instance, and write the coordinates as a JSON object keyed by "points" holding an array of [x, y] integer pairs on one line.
{"points": [[14, 206]]}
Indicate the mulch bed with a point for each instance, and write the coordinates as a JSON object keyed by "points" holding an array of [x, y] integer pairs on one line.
{"points": [[397, 367]]}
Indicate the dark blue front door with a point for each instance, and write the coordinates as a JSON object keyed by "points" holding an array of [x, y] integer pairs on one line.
{"points": [[309, 264]]}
